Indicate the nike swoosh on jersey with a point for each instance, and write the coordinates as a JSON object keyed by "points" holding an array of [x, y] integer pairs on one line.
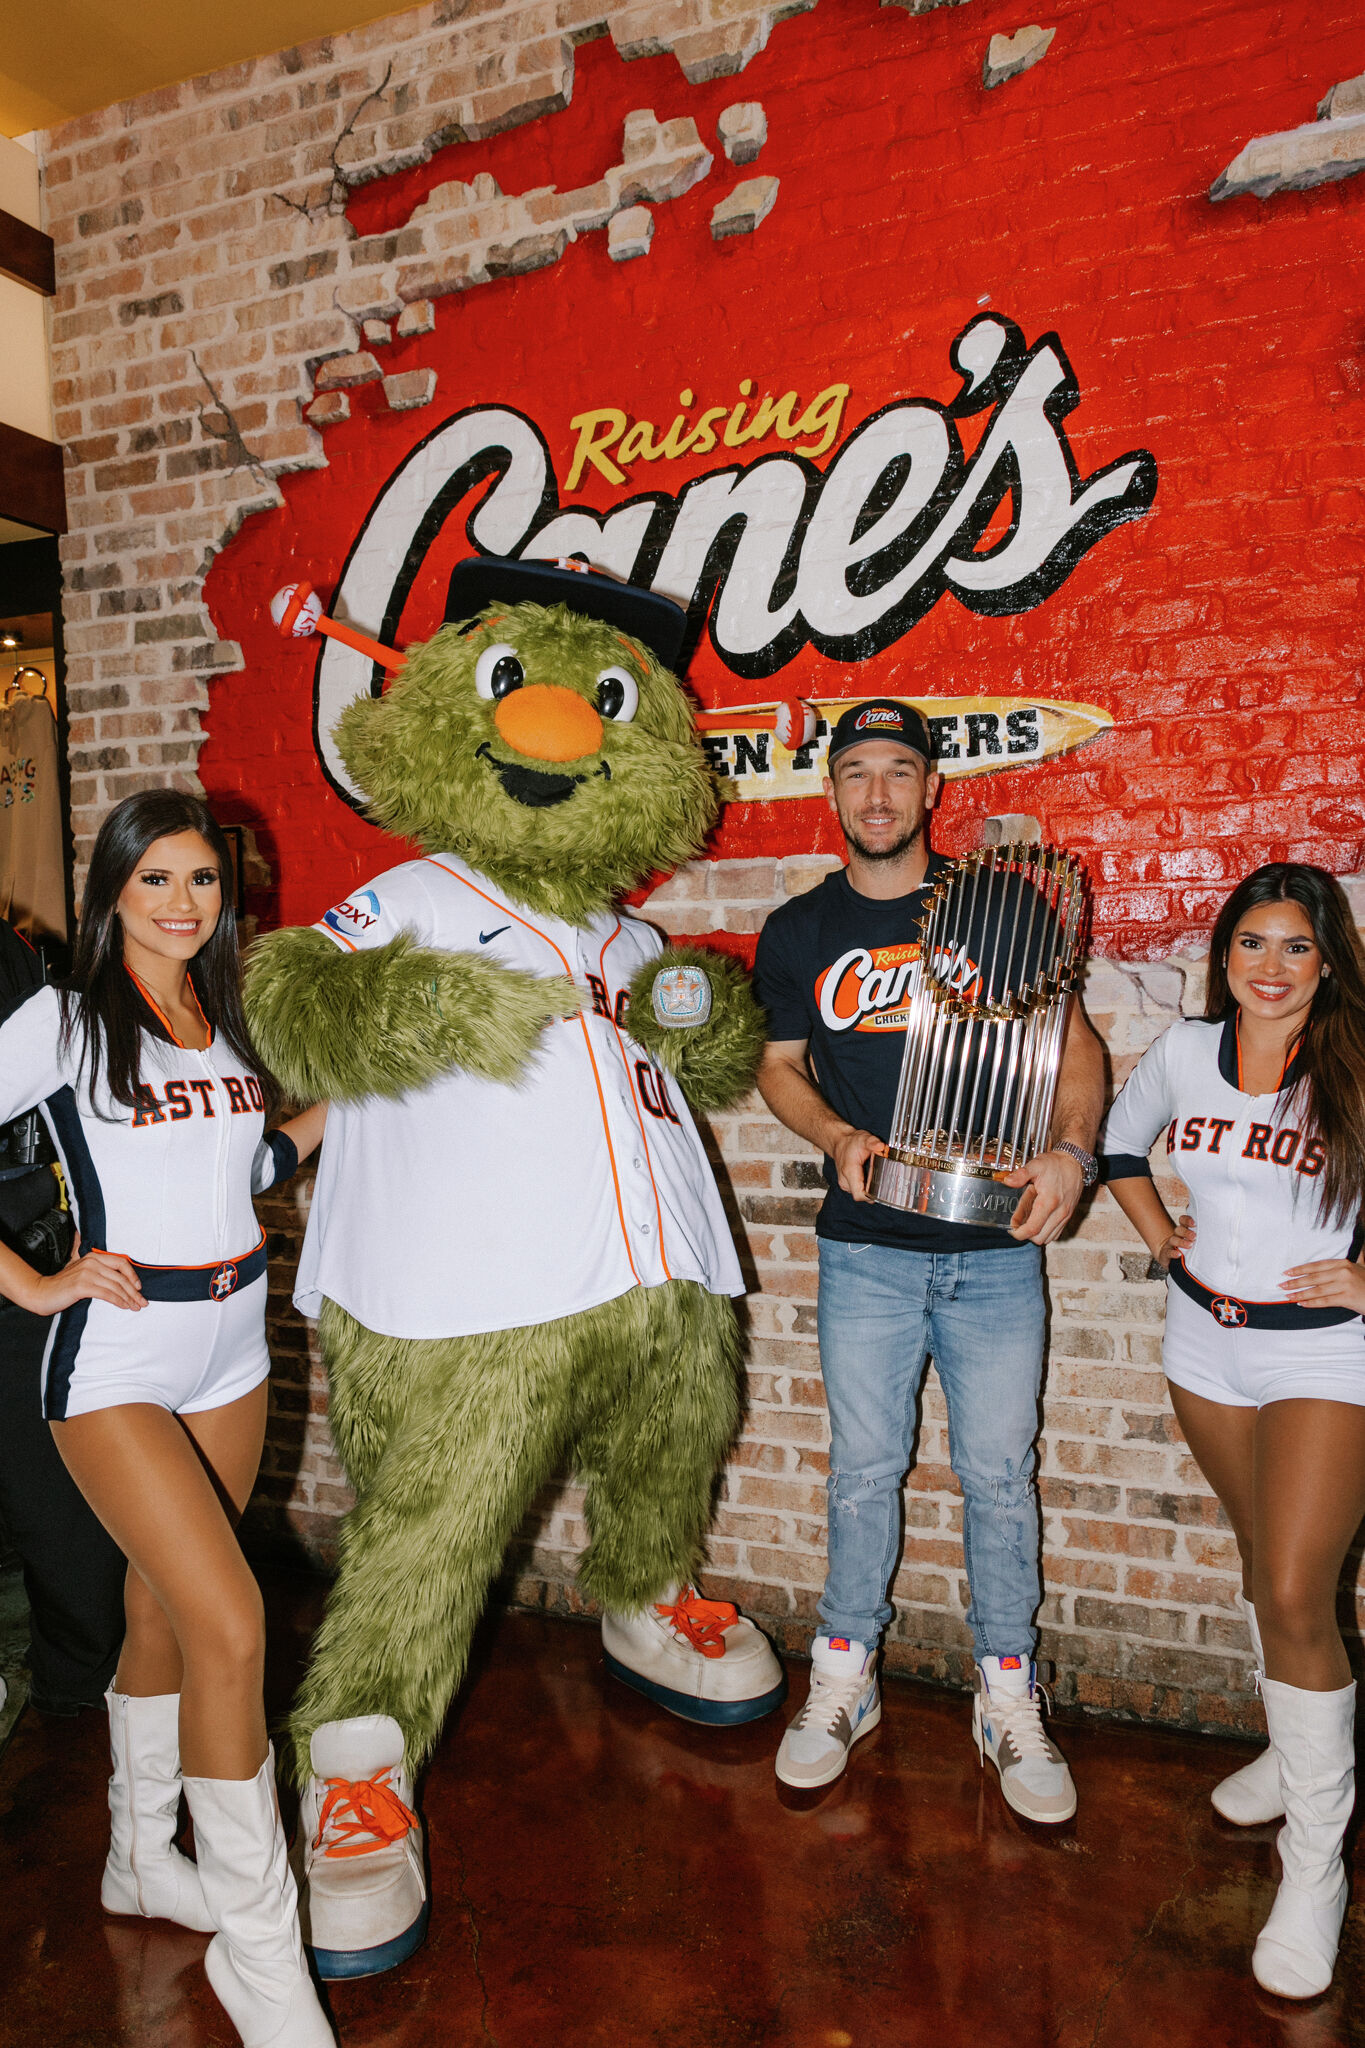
{"points": [[484, 937]]}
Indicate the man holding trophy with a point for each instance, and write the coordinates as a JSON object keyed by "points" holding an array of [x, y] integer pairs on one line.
{"points": [[955, 1089]]}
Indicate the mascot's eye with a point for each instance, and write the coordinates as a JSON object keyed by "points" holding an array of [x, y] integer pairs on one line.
{"points": [[618, 695], [497, 671]]}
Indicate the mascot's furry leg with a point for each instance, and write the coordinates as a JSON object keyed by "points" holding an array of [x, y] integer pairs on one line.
{"points": [[653, 1440], [447, 1443], [650, 1455]]}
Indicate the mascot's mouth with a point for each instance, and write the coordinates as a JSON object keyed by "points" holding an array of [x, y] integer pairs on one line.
{"points": [[532, 786]]}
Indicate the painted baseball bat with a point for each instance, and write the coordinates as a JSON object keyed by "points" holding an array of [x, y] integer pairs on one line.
{"points": [[793, 721], [298, 614], [297, 611]]}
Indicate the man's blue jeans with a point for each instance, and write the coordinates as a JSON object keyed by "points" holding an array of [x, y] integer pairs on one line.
{"points": [[980, 1314]]}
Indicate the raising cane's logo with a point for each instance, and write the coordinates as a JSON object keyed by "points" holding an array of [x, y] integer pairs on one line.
{"points": [[782, 553], [870, 988]]}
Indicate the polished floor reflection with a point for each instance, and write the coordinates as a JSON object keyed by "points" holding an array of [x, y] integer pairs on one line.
{"points": [[605, 1876]]}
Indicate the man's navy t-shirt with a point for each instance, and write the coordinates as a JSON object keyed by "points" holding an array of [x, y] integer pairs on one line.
{"points": [[837, 969]]}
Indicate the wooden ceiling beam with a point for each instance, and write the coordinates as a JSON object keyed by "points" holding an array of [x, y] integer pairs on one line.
{"points": [[32, 480], [27, 255]]}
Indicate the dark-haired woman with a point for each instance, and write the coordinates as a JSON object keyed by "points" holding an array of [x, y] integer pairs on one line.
{"points": [[1263, 1104], [155, 1376]]}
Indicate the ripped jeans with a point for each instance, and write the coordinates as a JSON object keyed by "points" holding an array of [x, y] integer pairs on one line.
{"points": [[882, 1312]]}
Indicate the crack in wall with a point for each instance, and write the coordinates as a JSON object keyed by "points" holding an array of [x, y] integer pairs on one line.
{"points": [[230, 434], [341, 186]]}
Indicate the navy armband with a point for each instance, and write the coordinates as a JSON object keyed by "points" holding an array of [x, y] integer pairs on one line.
{"points": [[283, 1154], [1124, 1166]]}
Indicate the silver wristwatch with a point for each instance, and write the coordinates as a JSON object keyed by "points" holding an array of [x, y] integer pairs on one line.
{"points": [[1088, 1163]]}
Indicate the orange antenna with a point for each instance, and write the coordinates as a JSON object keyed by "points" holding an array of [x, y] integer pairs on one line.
{"points": [[297, 612]]}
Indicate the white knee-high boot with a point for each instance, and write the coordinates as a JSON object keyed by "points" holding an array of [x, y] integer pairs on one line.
{"points": [[1314, 1737], [1252, 1796], [255, 1962], [144, 1872]]}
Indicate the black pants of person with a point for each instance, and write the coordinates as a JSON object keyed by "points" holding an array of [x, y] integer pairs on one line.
{"points": [[73, 1570]]}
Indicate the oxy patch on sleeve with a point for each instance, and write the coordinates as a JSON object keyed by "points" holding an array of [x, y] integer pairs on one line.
{"points": [[357, 921]]}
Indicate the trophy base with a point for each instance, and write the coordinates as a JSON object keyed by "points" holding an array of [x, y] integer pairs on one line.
{"points": [[944, 1189]]}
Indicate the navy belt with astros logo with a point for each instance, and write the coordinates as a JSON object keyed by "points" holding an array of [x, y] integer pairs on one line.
{"points": [[214, 1282], [1229, 1311]]}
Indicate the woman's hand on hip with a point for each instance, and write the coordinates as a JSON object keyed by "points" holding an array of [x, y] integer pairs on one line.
{"points": [[99, 1276], [1327, 1283], [1179, 1241]]}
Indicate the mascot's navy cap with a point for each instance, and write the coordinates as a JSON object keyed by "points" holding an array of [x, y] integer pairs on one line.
{"points": [[655, 621], [881, 718]]}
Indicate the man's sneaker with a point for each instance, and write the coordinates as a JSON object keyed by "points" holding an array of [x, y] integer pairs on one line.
{"points": [[1008, 1725], [842, 1704], [358, 1856], [701, 1659]]}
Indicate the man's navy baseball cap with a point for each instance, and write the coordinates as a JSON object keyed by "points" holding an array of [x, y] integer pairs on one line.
{"points": [[881, 718]]}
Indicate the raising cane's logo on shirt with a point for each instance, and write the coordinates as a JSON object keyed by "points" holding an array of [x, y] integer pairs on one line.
{"points": [[870, 989]]}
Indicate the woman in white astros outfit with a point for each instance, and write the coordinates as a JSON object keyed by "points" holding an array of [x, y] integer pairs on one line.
{"points": [[1263, 1106], [155, 1376]]}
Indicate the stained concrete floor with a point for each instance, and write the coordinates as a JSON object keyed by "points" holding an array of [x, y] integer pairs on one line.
{"points": [[606, 1877]]}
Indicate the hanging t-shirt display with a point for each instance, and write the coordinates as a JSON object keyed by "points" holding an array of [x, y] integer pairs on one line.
{"points": [[32, 877]]}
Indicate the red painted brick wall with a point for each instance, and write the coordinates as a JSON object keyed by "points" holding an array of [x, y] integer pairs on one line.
{"points": [[1222, 631]]}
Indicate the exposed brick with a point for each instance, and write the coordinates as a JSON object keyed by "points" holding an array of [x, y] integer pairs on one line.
{"points": [[418, 318], [327, 409], [744, 209], [409, 389], [341, 373]]}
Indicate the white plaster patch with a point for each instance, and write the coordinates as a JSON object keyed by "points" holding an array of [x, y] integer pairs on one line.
{"points": [[1009, 56], [1317, 154]]}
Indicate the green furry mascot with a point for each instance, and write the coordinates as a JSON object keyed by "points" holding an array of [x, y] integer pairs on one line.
{"points": [[517, 1251]]}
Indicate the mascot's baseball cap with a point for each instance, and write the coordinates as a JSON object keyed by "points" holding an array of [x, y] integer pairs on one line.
{"points": [[643, 615], [881, 718]]}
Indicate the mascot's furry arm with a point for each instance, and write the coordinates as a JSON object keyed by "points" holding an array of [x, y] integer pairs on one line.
{"points": [[715, 1062], [337, 1026]]}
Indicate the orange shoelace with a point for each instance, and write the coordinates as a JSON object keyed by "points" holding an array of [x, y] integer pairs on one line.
{"points": [[703, 1622], [364, 1815]]}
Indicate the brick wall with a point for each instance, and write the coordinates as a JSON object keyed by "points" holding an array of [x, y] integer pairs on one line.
{"points": [[272, 277]]}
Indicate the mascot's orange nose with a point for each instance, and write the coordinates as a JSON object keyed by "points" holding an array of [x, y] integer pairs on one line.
{"points": [[547, 723]]}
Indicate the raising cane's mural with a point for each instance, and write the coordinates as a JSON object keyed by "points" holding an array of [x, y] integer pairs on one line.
{"points": [[783, 553], [875, 447]]}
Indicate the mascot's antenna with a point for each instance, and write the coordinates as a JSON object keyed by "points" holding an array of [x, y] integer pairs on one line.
{"points": [[297, 611]]}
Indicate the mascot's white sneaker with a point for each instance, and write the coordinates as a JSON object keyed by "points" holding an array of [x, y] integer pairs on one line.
{"points": [[698, 1658], [362, 1887]]}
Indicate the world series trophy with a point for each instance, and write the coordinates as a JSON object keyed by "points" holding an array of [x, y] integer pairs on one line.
{"points": [[1001, 942]]}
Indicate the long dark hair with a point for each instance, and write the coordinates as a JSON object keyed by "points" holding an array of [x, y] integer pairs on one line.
{"points": [[104, 1004], [1331, 1053]]}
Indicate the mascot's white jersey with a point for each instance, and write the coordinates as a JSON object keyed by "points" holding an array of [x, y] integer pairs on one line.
{"points": [[471, 1205], [1253, 1173]]}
